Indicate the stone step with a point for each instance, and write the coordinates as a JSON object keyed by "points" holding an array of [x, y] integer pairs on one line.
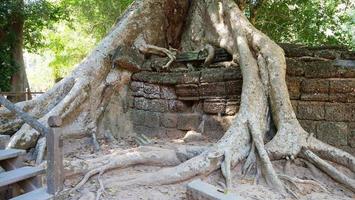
{"points": [[11, 153], [20, 174], [199, 190], [39, 194]]}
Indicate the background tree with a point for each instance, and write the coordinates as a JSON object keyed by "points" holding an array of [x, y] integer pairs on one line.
{"points": [[21, 26]]}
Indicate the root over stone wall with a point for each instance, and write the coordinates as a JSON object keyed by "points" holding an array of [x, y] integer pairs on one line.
{"points": [[321, 83]]}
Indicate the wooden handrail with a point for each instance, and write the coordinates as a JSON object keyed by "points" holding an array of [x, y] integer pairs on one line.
{"points": [[28, 119]]}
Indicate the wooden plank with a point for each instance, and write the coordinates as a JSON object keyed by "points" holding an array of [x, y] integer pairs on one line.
{"points": [[11, 153], [199, 190], [39, 194], [20, 174]]}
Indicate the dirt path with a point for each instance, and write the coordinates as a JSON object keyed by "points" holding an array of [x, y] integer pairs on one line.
{"points": [[80, 150]]}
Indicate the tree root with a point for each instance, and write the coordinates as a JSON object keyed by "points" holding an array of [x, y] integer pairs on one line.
{"points": [[101, 191], [295, 180], [152, 49], [142, 155], [329, 169]]}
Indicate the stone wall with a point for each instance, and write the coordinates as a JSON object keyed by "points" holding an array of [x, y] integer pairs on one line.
{"points": [[321, 84]]}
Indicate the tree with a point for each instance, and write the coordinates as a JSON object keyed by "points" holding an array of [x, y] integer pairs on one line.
{"points": [[152, 26], [21, 26]]}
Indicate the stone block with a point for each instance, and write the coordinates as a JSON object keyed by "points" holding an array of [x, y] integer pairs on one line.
{"points": [[155, 105], [189, 77], [325, 69], [294, 85], [137, 89], [315, 86], [310, 110], [146, 118], [179, 106], [339, 112], [234, 87], [151, 91], [190, 121], [342, 97], [173, 133], [342, 86], [212, 90], [214, 106], [167, 93], [333, 133], [187, 90], [309, 125], [231, 74], [315, 97], [327, 54], [199, 190], [148, 131], [295, 67], [212, 75], [169, 120], [214, 126]]}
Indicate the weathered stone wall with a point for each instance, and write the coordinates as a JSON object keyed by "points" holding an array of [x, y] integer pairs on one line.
{"points": [[321, 83]]}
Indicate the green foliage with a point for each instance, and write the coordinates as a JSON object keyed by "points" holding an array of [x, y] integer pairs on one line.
{"points": [[89, 22], [315, 22], [40, 15], [23, 21], [10, 11]]}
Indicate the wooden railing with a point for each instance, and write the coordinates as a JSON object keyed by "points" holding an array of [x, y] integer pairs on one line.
{"points": [[28, 94], [54, 143]]}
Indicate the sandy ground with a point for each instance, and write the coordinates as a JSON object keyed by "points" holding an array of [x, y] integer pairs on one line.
{"points": [[81, 150]]}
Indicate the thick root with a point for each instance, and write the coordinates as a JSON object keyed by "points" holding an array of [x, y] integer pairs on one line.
{"points": [[329, 169], [142, 155]]}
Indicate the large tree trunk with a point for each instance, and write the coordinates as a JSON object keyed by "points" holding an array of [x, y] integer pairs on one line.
{"points": [[81, 98], [19, 81]]}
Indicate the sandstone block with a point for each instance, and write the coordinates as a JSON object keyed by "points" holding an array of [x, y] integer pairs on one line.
{"points": [[169, 120], [310, 110], [148, 131], [190, 121], [342, 86], [295, 67], [211, 75], [315, 97], [155, 105], [187, 90], [231, 74], [234, 87], [294, 85], [342, 97], [339, 112], [145, 118], [309, 125], [232, 107], [151, 91], [189, 77], [325, 69], [199, 190], [179, 106], [214, 106], [167, 93], [333, 133], [212, 90], [315, 86], [173, 133]]}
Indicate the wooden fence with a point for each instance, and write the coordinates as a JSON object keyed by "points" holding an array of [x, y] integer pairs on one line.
{"points": [[28, 94]]}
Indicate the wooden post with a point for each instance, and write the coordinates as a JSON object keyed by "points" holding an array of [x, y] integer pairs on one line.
{"points": [[55, 170], [27, 94]]}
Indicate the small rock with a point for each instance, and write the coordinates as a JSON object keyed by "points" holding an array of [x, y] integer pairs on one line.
{"points": [[192, 136]]}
